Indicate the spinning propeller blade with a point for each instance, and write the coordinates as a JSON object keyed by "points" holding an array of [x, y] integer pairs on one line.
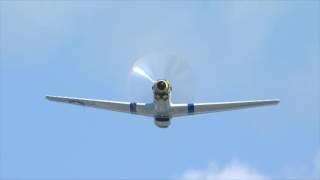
{"points": [[150, 68]]}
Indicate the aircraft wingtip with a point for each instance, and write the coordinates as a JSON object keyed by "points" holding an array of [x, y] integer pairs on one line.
{"points": [[277, 101], [48, 97]]}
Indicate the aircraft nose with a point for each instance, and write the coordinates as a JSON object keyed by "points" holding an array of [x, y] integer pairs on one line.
{"points": [[161, 85]]}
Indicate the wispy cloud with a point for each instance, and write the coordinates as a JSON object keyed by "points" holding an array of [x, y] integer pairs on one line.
{"points": [[233, 170], [317, 165], [239, 170]]}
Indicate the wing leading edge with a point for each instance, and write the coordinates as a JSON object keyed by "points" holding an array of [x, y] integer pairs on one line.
{"points": [[126, 107], [202, 108]]}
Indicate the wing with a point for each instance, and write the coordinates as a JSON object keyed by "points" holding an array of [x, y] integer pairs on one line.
{"points": [[201, 108], [126, 107]]}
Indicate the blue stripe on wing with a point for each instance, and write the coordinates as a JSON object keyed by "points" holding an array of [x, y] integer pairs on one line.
{"points": [[133, 107], [190, 108]]}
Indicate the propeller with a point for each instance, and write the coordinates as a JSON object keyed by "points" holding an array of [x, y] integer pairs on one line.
{"points": [[152, 67]]}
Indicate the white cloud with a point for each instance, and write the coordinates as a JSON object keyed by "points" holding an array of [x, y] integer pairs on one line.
{"points": [[237, 170], [317, 165], [234, 170]]}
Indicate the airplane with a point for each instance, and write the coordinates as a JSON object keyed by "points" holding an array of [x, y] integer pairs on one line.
{"points": [[162, 109]]}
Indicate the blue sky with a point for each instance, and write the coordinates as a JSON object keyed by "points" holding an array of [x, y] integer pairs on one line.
{"points": [[238, 51]]}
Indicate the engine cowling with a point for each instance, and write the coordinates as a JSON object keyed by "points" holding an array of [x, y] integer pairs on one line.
{"points": [[162, 86], [161, 90]]}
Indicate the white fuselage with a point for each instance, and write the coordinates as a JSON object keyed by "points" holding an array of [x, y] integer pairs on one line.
{"points": [[162, 107], [162, 103]]}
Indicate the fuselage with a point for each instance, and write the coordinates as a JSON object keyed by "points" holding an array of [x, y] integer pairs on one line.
{"points": [[162, 101]]}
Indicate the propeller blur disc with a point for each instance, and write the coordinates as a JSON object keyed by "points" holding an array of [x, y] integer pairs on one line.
{"points": [[150, 68]]}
